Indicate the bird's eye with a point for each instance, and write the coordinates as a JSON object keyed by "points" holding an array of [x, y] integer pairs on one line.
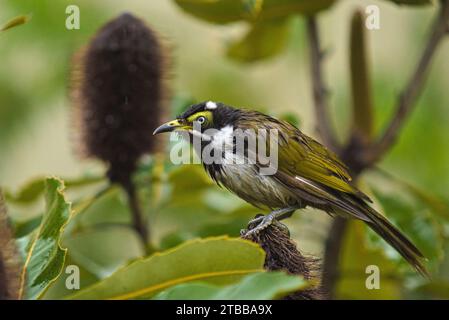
{"points": [[201, 119]]}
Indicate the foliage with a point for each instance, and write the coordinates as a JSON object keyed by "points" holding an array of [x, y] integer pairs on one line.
{"points": [[14, 22], [44, 256], [264, 39], [215, 260], [225, 11], [189, 215], [258, 286]]}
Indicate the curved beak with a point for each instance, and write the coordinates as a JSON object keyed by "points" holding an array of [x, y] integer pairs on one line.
{"points": [[171, 126]]}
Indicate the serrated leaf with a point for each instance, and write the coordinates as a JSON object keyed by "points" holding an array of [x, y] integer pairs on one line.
{"points": [[44, 256], [258, 286], [226, 11], [263, 40], [14, 22], [219, 260]]}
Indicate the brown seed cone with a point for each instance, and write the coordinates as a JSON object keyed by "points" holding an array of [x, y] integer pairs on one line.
{"points": [[282, 254], [119, 93], [10, 266]]}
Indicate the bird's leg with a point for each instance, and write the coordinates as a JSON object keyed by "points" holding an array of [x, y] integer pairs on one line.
{"points": [[265, 221], [280, 214]]}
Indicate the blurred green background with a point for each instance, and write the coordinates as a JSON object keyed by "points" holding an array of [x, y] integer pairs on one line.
{"points": [[36, 131]]}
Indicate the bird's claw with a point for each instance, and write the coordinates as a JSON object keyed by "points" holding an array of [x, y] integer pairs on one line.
{"points": [[262, 223], [257, 220]]}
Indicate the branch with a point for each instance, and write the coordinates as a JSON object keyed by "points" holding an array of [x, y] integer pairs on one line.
{"points": [[319, 90], [139, 223], [362, 105], [331, 257], [367, 157], [407, 98], [282, 254]]}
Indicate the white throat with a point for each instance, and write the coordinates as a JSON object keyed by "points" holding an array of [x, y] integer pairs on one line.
{"points": [[224, 137]]}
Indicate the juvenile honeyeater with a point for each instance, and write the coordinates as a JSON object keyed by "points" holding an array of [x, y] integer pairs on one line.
{"points": [[307, 174]]}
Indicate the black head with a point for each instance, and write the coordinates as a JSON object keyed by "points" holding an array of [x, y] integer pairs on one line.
{"points": [[208, 114]]}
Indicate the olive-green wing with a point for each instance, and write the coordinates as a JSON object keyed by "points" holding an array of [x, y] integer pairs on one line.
{"points": [[316, 175], [301, 156]]}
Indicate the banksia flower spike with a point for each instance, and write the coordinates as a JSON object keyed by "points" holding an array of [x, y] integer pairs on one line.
{"points": [[282, 254], [118, 93]]}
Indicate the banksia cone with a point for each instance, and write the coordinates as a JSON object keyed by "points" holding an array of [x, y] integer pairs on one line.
{"points": [[119, 94], [10, 266], [282, 254]]}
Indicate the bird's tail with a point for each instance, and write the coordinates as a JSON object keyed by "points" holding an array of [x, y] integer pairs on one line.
{"points": [[394, 237]]}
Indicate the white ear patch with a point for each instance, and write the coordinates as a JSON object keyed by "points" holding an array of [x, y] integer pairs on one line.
{"points": [[210, 105]]}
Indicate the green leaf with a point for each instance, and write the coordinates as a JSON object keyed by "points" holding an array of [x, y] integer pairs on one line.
{"points": [[412, 2], [282, 8], [14, 22], [44, 255], [24, 226], [219, 260], [258, 286], [31, 191], [103, 250], [107, 206], [34, 188], [264, 39], [205, 210], [189, 177], [21, 229], [226, 11], [437, 205], [216, 11], [356, 255], [59, 288]]}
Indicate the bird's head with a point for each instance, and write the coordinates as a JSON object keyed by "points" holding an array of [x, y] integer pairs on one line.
{"points": [[200, 117]]}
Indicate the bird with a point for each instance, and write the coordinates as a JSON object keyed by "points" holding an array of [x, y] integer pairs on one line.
{"points": [[306, 173]]}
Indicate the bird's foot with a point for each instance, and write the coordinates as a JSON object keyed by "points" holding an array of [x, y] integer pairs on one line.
{"points": [[260, 223], [257, 220]]}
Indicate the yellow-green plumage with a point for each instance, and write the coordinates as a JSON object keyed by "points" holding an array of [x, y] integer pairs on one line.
{"points": [[307, 173], [302, 156]]}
